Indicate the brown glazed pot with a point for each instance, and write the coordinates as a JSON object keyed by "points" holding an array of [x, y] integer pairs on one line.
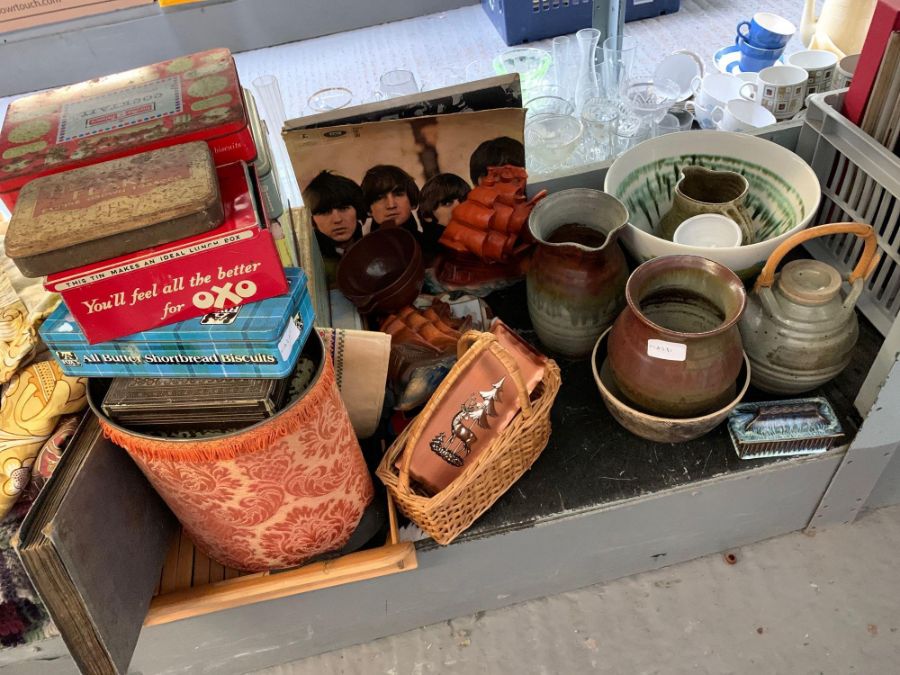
{"points": [[675, 350], [576, 282]]}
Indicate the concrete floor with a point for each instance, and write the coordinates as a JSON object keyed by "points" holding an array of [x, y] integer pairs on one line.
{"points": [[795, 604]]}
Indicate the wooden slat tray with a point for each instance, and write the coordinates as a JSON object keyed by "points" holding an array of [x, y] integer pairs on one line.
{"points": [[192, 585]]}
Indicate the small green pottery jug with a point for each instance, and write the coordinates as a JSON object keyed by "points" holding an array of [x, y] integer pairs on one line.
{"points": [[703, 190], [798, 329]]}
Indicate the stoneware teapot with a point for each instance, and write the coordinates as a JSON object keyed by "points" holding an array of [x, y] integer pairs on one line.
{"points": [[799, 330], [702, 190]]}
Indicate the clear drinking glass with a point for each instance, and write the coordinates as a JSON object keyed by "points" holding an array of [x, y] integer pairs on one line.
{"points": [[331, 98], [586, 85], [648, 99], [618, 58], [599, 117], [565, 67], [269, 92], [398, 82], [551, 139], [541, 105], [625, 133]]}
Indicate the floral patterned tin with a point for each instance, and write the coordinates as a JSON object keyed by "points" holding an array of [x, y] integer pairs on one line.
{"points": [[97, 212], [194, 97], [260, 340], [233, 264]]}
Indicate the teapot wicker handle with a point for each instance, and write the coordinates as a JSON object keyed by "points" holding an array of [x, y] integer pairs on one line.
{"points": [[470, 346], [867, 261]]}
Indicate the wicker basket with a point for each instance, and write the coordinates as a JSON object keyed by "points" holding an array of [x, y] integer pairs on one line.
{"points": [[512, 452]]}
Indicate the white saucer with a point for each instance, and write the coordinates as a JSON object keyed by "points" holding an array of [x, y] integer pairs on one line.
{"points": [[728, 60]]}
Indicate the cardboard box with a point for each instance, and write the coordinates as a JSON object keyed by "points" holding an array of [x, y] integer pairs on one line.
{"points": [[233, 264], [195, 97], [19, 14], [261, 340]]}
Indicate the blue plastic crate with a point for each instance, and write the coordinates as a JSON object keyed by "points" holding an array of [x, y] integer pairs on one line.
{"points": [[520, 21]]}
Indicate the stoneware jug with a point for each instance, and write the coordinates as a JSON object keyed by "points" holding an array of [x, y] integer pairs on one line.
{"points": [[799, 330], [576, 281], [840, 28], [702, 190], [675, 350]]}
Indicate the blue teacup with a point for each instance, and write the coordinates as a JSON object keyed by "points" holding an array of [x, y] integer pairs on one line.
{"points": [[754, 59], [767, 31]]}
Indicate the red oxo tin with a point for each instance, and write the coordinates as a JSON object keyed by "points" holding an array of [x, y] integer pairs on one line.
{"points": [[233, 264], [191, 98]]}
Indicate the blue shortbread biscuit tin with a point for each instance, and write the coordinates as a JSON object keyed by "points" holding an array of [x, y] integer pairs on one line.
{"points": [[257, 340]]}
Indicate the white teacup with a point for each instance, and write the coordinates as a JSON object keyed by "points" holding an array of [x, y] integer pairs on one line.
{"points": [[819, 64], [708, 230], [741, 115], [781, 89], [712, 90]]}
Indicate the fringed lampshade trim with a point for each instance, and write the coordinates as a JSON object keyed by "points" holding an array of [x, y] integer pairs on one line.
{"points": [[227, 447]]}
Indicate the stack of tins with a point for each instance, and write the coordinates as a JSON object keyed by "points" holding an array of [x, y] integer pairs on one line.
{"points": [[150, 202]]}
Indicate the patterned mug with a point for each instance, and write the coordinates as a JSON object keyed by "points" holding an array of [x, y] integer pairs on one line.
{"points": [[819, 64], [843, 73], [781, 89]]}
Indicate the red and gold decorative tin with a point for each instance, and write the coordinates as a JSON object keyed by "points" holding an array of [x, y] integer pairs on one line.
{"points": [[195, 97], [230, 265]]}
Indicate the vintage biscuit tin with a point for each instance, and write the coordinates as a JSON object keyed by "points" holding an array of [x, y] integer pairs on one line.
{"points": [[230, 265], [265, 167], [194, 97], [98, 212], [166, 403], [261, 340]]}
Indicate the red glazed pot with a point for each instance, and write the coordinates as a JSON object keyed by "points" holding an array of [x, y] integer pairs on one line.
{"points": [[269, 496], [675, 350]]}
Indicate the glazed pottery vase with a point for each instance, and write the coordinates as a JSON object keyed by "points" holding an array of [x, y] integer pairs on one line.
{"points": [[706, 191], [675, 350], [576, 281], [799, 330], [271, 495]]}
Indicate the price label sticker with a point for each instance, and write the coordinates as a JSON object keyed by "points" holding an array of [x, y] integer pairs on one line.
{"points": [[668, 351], [288, 338]]}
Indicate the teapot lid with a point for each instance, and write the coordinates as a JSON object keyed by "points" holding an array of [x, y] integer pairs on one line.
{"points": [[809, 282]]}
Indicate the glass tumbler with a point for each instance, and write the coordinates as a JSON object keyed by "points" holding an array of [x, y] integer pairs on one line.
{"points": [[599, 117], [618, 60], [548, 104], [551, 138], [398, 83]]}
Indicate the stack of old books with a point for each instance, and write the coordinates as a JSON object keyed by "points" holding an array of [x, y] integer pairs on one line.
{"points": [[148, 200]]}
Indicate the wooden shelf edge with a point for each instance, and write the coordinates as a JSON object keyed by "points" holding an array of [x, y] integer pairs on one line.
{"points": [[230, 593]]}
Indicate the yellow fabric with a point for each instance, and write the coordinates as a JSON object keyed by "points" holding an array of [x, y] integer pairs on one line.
{"points": [[24, 304], [31, 405]]}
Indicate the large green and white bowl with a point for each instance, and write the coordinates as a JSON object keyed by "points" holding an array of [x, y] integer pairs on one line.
{"points": [[783, 198]]}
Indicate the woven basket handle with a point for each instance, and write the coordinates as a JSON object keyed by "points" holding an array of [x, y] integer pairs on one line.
{"points": [[867, 261], [470, 346]]}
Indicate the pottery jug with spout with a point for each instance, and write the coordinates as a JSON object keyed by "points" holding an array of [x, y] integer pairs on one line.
{"points": [[576, 280], [840, 28], [702, 190], [799, 330]]}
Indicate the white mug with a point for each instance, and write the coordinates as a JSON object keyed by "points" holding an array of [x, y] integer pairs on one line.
{"points": [[714, 89], [781, 89], [819, 64], [741, 115]]}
